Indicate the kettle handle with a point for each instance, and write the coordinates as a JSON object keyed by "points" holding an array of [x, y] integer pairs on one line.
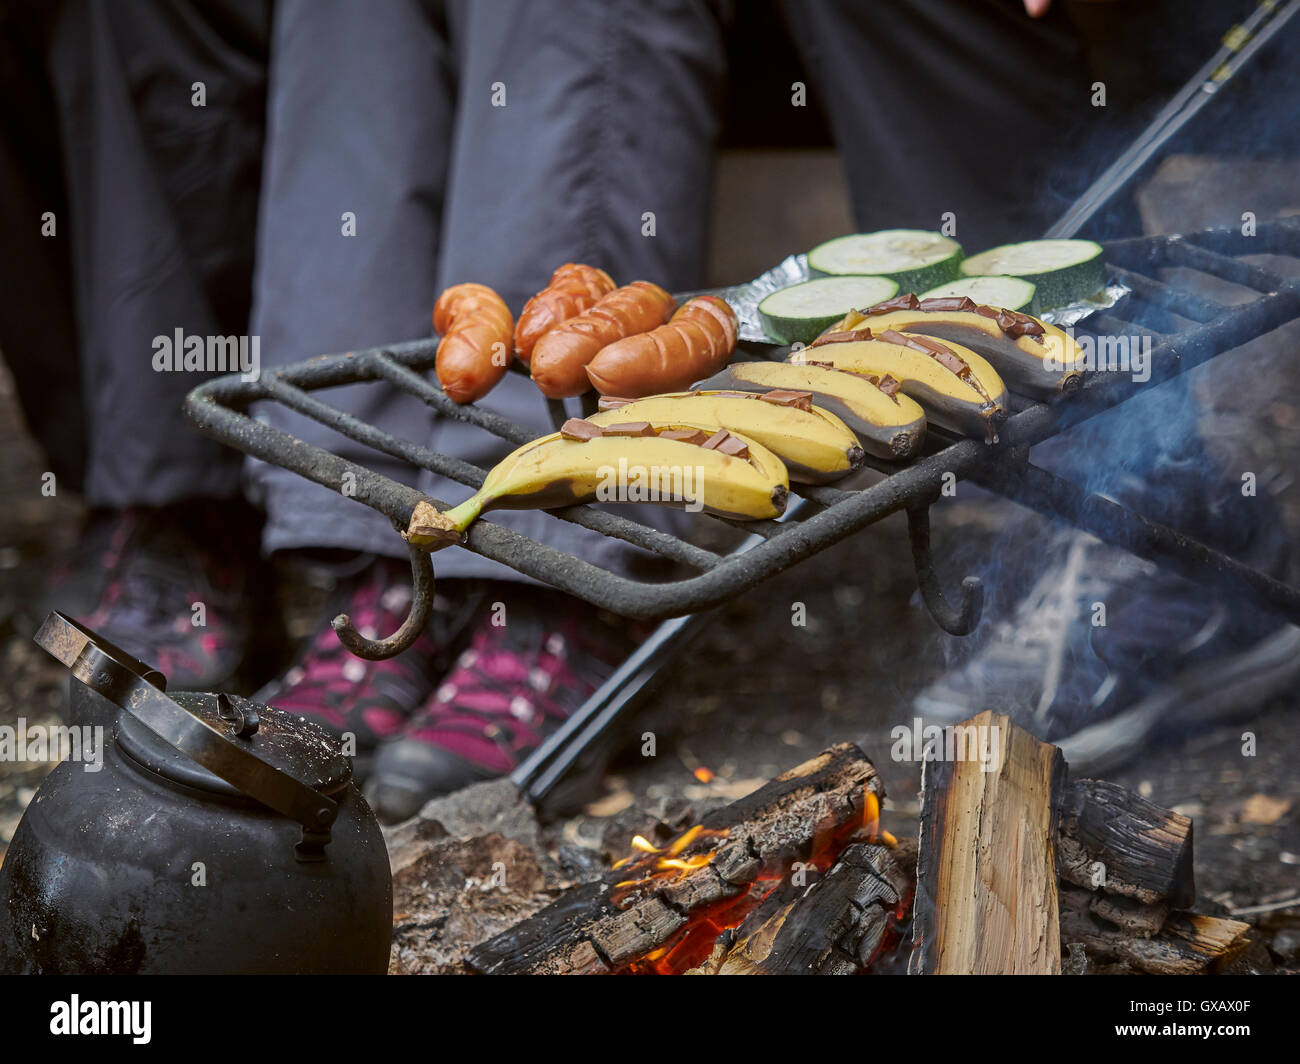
{"points": [[137, 688]]}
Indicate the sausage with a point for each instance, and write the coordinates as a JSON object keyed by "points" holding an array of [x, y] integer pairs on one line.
{"points": [[477, 333], [560, 357], [572, 289], [696, 343]]}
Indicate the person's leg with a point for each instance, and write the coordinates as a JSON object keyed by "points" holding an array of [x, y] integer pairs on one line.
{"points": [[584, 132], [359, 129], [159, 125]]}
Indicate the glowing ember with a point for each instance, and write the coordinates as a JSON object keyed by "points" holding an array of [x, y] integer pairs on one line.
{"points": [[704, 775]]}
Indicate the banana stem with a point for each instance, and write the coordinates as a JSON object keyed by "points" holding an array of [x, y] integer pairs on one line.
{"points": [[431, 529]]}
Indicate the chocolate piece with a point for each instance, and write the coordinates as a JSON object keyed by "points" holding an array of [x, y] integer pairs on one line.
{"points": [[945, 356], [735, 447], [611, 402], [843, 337], [888, 385], [695, 436], [948, 303], [788, 397], [988, 312], [577, 429], [729, 395], [907, 301], [630, 428]]}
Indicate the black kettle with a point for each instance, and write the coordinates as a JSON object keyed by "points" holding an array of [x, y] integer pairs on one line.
{"points": [[212, 835]]}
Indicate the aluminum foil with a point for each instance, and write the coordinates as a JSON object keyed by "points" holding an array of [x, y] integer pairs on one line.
{"points": [[745, 298]]}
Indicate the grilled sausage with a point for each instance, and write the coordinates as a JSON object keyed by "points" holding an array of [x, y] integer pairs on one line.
{"points": [[560, 357], [477, 333], [572, 289], [696, 343]]}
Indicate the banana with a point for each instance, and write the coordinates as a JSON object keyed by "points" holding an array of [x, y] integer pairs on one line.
{"points": [[1035, 358], [723, 473], [814, 444], [958, 389], [887, 423]]}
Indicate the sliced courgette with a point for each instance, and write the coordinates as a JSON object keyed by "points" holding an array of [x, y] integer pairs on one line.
{"points": [[915, 258], [799, 313], [1006, 293], [1063, 271]]}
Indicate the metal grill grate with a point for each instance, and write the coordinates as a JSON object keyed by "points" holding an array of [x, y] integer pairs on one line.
{"points": [[821, 515]]}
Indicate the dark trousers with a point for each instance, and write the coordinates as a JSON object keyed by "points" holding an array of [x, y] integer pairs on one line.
{"points": [[230, 218]]}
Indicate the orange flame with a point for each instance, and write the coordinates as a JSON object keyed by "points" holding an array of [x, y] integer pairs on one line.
{"points": [[704, 775]]}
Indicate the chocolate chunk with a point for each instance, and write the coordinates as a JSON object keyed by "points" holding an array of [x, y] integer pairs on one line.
{"points": [[950, 360], [788, 397], [611, 402], [907, 301], [843, 337], [948, 303], [695, 436], [945, 356], [577, 429], [888, 385], [988, 312], [630, 428], [724, 441]]}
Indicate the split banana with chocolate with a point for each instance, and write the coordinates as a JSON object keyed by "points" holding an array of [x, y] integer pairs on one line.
{"points": [[1033, 357], [815, 445], [886, 422], [674, 465], [958, 389]]}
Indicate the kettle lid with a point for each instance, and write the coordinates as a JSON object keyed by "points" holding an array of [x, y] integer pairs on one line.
{"points": [[290, 769], [287, 743]]}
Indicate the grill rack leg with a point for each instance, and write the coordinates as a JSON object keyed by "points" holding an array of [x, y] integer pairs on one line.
{"points": [[959, 620], [409, 631]]}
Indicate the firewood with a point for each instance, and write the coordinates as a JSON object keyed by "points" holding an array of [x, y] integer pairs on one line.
{"points": [[645, 905], [834, 927], [1187, 944], [1130, 915], [1116, 841], [986, 893]]}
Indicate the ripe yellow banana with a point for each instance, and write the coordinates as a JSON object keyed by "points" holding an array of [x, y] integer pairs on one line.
{"points": [[1035, 358], [728, 475], [886, 422], [958, 389], [814, 444]]}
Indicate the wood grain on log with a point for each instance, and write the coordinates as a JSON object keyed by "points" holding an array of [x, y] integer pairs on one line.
{"points": [[642, 905], [986, 898], [1116, 841]]}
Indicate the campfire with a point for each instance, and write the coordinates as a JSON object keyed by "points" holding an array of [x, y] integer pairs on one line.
{"points": [[1016, 869]]}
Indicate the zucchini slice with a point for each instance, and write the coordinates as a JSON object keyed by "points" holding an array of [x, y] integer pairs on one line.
{"points": [[799, 313], [1063, 271], [1006, 293], [915, 258]]}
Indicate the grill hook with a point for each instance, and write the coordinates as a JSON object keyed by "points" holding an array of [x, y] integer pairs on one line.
{"points": [[961, 620], [416, 621]]}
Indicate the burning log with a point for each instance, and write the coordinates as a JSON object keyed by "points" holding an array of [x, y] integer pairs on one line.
{"points": [[664, 908], [838, 926], [1187, 943], [986, 893], [1117, 841]]}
